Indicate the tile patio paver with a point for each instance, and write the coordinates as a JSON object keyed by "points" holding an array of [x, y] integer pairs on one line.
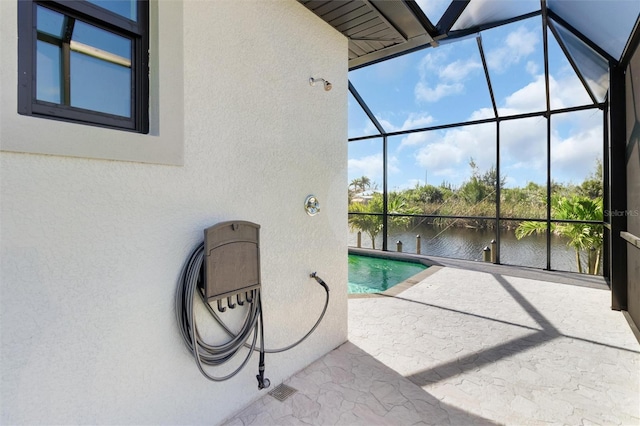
{"points": [[467, 347]]}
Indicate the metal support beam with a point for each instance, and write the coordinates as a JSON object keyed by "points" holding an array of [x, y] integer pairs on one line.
{"points": [[486, 74], [421, 17], [543, 7], [385, 196], [617, 188], [365, 108], [496, 255], [498, 192], [606, 185], [451, 15]]}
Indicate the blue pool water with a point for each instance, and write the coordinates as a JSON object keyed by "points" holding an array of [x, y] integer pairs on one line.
{"points": [[374, 275]]}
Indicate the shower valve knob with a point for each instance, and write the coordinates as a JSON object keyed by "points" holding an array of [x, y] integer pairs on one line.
{"points": [[312, 205]]}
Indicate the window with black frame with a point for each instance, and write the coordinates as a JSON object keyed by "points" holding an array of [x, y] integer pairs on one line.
{"points": [[85, 62]]}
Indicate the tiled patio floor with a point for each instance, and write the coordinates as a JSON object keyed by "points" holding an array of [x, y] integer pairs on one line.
{"points": [[467, 347]]}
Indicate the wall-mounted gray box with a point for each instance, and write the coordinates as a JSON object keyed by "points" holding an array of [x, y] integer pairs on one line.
{"points": [[232, 259]]}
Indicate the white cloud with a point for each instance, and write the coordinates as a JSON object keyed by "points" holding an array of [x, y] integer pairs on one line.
{"points": [[573, 158], [448, 156], [439, 156], [523, 142], [532, 68], [530, 98], [392, 165], [416, 120], [482, 113], [371, 166], [370, 129], [386, 125], [413, 139], [433, 94], [517, 46], [568, 91], [440, 77], [445, 154], [432, 61], [459, 70], [565, 91]]}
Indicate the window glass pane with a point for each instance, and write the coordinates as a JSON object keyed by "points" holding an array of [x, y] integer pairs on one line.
{"points": [[365, 176], [422, 173], [577, 190], [565, 88], [593, 67], [485, 12], [370, 228], [359, 123], [445, 172], [521, 245], [430, 87], [524, 243], [365, 173], [48, 73], [606, 23], [576, 165], [102, 40], [580, 249], [515, 59], [523, 166], [50, 22], [96, 52], [110, 93], [452, 238], [126, 8]]}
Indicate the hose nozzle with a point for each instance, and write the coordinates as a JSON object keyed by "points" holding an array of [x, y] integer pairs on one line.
{"points": [[263, 382]]}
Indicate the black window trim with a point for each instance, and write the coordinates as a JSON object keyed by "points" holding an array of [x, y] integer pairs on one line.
{"points": [[94, 15]]}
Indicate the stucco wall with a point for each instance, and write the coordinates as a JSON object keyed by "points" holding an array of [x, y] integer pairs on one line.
{"points": [[92, 249]]}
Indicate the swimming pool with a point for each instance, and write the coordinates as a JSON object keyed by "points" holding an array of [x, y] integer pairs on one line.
{"points": [[374, 275]]}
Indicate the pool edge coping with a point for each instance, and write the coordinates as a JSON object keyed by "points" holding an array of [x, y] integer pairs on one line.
{"points": [[402, 285]]}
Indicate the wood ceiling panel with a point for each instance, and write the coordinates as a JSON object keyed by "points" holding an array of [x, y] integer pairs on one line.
{"points": [[369, 29]]}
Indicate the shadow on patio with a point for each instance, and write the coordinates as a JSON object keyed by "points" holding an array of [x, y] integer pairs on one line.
{"points": [[469, 347]]}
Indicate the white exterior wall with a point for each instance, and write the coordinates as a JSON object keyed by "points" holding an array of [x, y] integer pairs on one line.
{"points": [[92, 249]]}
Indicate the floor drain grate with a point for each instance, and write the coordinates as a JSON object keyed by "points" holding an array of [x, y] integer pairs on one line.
{"points": [[282, 392]]}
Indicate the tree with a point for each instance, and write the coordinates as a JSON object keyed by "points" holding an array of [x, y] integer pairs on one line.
{"points": [[397, 204], [582, 236], [369, 219], [361, 184], [481, 186], [592, 185], [365, 221], [423, 194]]}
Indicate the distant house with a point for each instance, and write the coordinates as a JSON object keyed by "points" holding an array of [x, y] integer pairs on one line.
{"points": [[362, 197]]}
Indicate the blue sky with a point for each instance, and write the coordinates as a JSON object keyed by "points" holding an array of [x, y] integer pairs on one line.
{"points": [[446, 85]]}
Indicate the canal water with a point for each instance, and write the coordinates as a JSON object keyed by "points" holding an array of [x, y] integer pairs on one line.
{"points": [[468, 243]]}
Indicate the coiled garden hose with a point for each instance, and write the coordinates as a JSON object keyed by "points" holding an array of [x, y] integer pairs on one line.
{"points": [[253, 325]]}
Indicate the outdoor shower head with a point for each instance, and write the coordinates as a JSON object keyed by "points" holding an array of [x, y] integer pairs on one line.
{"points": [[327, 85]]}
